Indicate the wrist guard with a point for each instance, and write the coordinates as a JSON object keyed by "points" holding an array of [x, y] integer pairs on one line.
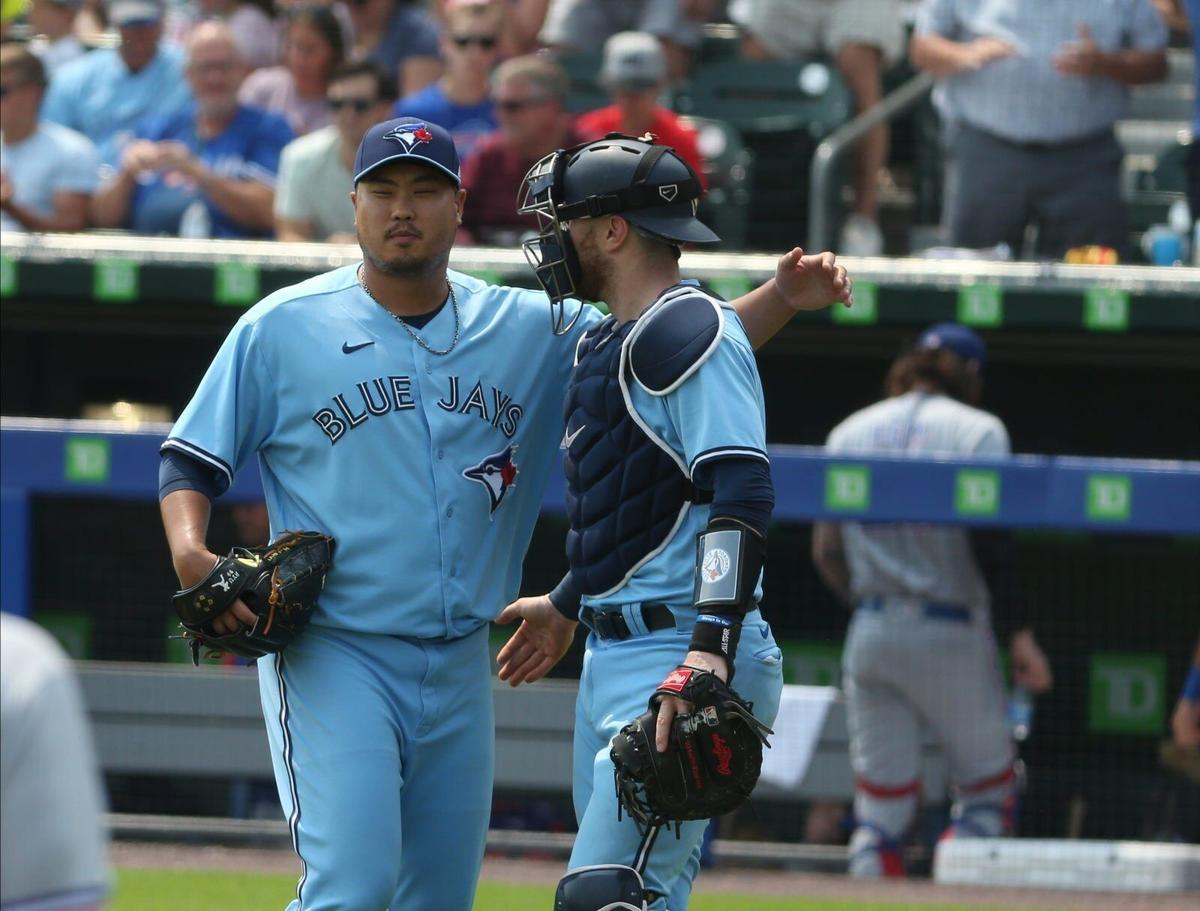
{"points": [[729, 559]]}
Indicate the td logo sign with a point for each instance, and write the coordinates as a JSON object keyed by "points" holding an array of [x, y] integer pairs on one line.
{"points": [[1127, 694], [848, 488]]}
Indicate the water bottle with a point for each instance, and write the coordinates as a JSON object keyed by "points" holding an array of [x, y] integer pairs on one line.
{"points": [[195, 221], [1162, 246], [1020, 712]]}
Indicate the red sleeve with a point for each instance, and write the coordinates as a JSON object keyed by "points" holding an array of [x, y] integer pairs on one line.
{"points": [[596, 124]]}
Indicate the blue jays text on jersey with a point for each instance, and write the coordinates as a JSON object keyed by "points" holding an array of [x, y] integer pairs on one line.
{"points": [[428, 470], [382, 395]]}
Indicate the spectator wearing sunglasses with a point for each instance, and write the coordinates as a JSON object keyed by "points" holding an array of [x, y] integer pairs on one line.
{"points": [[312, 196], [459, 100], [528, 94], [400, 37]]}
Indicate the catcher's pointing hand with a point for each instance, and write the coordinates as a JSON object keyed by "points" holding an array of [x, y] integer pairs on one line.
{"points": [[539, 642]]}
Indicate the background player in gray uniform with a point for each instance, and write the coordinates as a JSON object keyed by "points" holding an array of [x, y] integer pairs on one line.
{"points": [[53, 844], [668, 494], [413, 413], [920, 648]]}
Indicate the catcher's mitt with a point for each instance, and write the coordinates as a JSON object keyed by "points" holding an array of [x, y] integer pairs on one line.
{"points": [[711, 764], [279, 582]]}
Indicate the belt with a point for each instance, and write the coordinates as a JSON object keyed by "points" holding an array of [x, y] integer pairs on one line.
{"points": [[1053, 145], [932, 609], [613, 625]]}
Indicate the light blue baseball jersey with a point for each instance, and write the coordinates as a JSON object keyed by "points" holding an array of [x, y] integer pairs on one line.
{"points": [[428, 470], [717, 412]]}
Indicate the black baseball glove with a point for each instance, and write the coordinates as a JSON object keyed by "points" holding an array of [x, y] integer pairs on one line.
{"points": [[279, 582], [711, 764]]}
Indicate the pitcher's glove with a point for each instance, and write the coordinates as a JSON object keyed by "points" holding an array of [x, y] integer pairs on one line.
{"points": [[711, 764], [279, 582]]}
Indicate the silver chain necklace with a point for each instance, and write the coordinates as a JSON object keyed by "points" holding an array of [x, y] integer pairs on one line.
{"points": [[362, 283]]}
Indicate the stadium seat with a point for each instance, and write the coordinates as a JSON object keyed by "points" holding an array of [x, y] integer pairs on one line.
{"points": [[585, 92], [728, 168], [781, 110], [769, 96]]}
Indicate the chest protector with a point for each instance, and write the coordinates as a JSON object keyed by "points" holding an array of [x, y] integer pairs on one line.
{"points": [[626, 492]]}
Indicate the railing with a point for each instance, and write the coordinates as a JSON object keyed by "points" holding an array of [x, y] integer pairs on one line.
{"points": [[820, 234]]}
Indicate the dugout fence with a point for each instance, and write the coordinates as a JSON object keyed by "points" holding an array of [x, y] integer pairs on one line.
{"points": [[1108, 560], [1093, 360]]}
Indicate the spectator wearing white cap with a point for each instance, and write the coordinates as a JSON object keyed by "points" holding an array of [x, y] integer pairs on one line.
{"points": [[105, 93], [47, 172], [635, 73], [53, 25]]}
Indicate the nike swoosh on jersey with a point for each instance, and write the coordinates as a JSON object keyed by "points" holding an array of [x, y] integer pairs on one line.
{"points": [[569, 438], [347, 348]]}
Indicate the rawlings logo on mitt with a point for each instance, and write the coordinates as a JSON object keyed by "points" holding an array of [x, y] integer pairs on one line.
{"points": [[279, 583], [713, 760]]}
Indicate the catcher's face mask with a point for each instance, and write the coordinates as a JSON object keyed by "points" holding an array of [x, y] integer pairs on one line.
{"points": [[551, 254]]}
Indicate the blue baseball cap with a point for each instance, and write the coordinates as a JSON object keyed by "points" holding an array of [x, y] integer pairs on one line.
{"points": [[954, 337], [407, 139]]}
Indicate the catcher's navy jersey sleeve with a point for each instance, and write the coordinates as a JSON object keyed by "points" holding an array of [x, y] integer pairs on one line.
{"points": [[233, 410]]}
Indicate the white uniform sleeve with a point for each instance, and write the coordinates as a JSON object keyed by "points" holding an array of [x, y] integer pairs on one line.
{"points": [[991, 439], [718, 411], [53, 845], [232, 414]]}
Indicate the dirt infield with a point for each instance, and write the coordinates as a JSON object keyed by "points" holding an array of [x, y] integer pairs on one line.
{"points": [[918, 893]]}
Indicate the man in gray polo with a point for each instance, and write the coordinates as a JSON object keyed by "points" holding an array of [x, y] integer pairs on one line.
{"points": [[1030, 91]]}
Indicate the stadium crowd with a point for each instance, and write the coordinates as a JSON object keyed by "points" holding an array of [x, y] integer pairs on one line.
{"points": [[239, 118]]}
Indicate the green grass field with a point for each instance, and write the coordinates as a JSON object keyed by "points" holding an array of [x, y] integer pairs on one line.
{"points": [[175, 890]]}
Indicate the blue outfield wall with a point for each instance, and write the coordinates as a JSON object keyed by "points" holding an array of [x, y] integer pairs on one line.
{"points": [[79, 458]]}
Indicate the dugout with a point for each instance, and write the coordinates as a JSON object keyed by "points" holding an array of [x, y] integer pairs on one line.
{"points": [[1101, 362]]}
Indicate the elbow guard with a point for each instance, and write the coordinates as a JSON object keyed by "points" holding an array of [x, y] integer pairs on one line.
{"points": [[729, 559]]}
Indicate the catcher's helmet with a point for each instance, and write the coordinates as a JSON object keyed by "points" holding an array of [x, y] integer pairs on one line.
{"points": [[647, 184]]}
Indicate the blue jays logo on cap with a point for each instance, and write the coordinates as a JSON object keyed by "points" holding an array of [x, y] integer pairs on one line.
{"points": [[497, 473], [407, 139], [409, 134]]}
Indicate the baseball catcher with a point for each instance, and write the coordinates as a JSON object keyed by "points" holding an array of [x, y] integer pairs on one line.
{"points": [[279, 583], [713, 760]]}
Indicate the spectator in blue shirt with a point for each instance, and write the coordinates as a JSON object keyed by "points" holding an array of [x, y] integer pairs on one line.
{"points": [[208, 170], [1031, 92], [104, 94], [461, 100]]}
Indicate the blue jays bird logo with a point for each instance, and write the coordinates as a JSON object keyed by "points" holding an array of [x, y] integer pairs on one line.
{"points": [[409, 135], [497, 473]]}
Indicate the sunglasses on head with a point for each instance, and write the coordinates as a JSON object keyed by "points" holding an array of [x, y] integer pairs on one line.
{"points": [[486, 42], [358, 105]]}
